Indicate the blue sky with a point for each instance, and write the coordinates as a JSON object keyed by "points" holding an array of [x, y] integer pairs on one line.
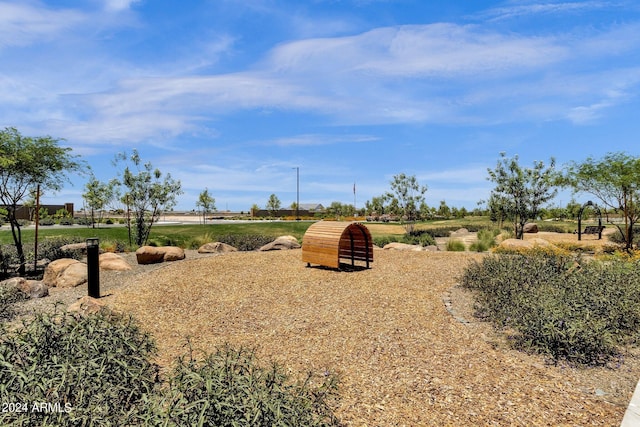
{"points": [[232, 95]]}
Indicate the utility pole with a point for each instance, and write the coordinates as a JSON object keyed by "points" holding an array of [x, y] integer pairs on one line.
{"points": [[297, 168]]}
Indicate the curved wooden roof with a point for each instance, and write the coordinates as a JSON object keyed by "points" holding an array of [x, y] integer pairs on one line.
{"points": [[327, 242]]}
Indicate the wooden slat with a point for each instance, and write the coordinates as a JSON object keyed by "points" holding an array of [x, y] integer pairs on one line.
{"points": [[327, 242]]}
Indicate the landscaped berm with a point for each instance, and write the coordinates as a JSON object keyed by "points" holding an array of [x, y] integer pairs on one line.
{"points": [[395, 335]]}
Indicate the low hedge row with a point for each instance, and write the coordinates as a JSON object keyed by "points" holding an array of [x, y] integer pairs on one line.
{"points": [[63, 369], [567, 309]]}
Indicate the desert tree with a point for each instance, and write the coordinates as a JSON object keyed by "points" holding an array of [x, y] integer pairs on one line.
{"points": [[99, 195], [27, 164], [615, 181], [273, 204], [147, 193], [522, 191], [409, 194], [206, 203]]}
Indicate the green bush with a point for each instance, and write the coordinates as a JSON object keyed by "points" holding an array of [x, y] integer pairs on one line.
{"points": [[381, 241], [455, 245], [554, 228], [553, 305], [9, 295], [96, 369], [486, 240], [617, 237], [49, 248], [414, 238], [245, 242], [229, 388], [419, 237]]}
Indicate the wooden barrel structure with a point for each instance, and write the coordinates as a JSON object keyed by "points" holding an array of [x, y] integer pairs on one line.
{"points": [[327, 242]]}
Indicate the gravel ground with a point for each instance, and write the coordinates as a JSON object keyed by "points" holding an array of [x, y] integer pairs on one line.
{"points": [[400, 336]]}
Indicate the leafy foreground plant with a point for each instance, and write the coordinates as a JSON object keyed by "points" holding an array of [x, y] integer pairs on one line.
{"points": [[578, 312], [63, 369], [9, 295], [228, 388]]}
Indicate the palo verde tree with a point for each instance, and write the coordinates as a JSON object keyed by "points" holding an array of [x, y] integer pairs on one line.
{"points": [[522, 191], [206, 204], [27, 163], [99, 195], [146, 193], [615, 181], [409, 194]]}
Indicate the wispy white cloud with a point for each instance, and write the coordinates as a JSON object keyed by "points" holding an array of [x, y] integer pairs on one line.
{"points": [[547, 8], [119, 5], [322, 139], [22, 24]]}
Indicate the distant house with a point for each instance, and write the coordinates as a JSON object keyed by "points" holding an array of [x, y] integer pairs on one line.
{"points": [[311, 207]]}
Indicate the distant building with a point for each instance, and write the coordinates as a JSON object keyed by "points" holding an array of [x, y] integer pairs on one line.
{"points": [[305, 209], [27, 212], [312, 207]]}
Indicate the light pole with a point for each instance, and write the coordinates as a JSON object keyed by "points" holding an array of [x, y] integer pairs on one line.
{"points": [[297, 168]]}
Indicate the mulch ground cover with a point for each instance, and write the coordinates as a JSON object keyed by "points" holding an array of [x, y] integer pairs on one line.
{"points": [[400, 336]]}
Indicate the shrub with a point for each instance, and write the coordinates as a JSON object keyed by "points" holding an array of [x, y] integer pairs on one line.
{"points": [[84, 221], [229, 388], [381, 241], [246, 242], [95, 368], [66, 221], [486, 240], [9, 295], [47, 221], [578, 312], [419, 237], [617, 237], [455, 245], [554, 228], [117, 246], [50, 248], [200, 240]]}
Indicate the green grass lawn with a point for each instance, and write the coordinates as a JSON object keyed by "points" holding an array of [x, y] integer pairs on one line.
{"points": [[183, 234], [177, 234]]}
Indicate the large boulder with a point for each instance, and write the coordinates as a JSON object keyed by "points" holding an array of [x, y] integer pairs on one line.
{"points": [[72, 247], [114, 262], [402, 247], [65, 273], [530, 227], [280, 243], [216, 248], [173, 253], [459, 232], [518, 245], [156, 254], [149, 255]]}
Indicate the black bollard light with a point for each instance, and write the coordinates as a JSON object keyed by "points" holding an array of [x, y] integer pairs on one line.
{"points": [[93, 267]]}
